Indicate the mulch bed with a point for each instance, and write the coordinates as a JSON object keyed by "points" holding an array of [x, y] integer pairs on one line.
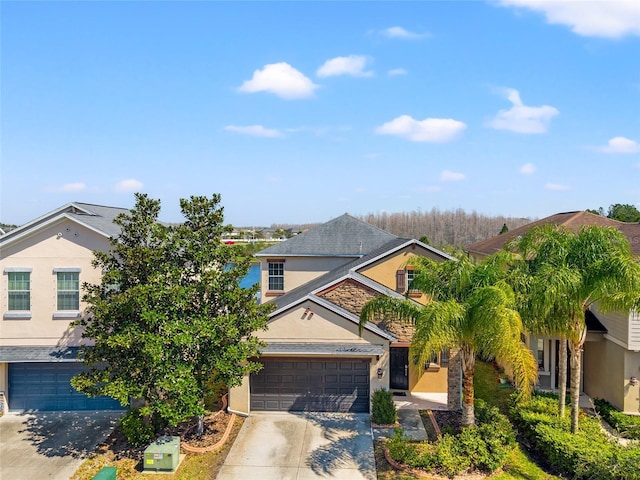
{"points": [[448, 420]]}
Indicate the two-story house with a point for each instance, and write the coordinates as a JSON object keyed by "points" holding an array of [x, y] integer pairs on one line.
{"points": [[315, 358], [611, 356], [43, 265]]}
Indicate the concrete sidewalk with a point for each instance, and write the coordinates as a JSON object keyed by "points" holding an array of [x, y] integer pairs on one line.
{"points": [[409, 419]]}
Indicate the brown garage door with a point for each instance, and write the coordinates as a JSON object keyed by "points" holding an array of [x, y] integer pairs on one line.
{"points": [[312, 385]]}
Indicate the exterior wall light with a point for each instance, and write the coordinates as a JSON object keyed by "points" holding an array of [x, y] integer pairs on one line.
{"points": [[380, 373], [633, 380]]}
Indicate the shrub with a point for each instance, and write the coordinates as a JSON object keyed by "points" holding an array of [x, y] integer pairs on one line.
{"points": [[383, 410], [133, 426], [484, 447], [628, 426], [588, 454]]}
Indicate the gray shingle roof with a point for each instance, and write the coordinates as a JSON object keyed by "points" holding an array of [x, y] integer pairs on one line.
{"points": [[100, 217], [340, 349], [345, 236], [19, 354], [97, 217]]}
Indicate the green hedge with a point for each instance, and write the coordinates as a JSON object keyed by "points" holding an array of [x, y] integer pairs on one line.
{"points": [[484, 447], [628, 426], [383, 410], [588, 454]]}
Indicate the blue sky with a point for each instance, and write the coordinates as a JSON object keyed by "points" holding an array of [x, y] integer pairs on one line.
{"points": [[300, 111]]}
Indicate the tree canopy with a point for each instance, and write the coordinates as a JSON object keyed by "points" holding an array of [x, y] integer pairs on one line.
{"points": [[471, 309], [169, 315], [619, 211], [566, 273]]}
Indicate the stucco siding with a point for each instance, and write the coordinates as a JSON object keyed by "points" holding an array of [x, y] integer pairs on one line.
{"points": [[631, 392], [298, 271], [61, 245], [603, 372]]}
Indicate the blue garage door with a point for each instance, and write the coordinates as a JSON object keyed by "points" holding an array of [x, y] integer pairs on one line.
{"points": [[47, 386]]}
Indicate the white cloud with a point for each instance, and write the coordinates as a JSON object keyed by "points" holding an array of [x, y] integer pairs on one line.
{"points": [[520, 118], [449, 176], [254, 131], [273, 179], [129, 185], [557, 187], [399, 32], [620, 145], [609, 19], [352, 65], [527, 169], [282, 80], [427, 130], [397, 71], [360, 190]]}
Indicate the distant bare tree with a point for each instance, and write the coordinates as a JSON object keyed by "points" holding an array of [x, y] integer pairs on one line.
{"points": [[448, 227]]}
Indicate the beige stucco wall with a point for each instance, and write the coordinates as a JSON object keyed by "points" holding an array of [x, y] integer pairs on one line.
{"points": [[603, 370], [631, 392], [324, 326], [43, 252], [298, 271]]}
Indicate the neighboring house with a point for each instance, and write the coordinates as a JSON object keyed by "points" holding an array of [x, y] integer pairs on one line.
{"points": [[44, 264], [315, 359], [611, 357]]}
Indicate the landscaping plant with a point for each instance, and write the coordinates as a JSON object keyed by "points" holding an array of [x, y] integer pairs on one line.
{"points": [[383, 410]]}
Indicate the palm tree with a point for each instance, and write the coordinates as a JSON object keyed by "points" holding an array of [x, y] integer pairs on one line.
{"points": [[569, 273], [471, 308]]}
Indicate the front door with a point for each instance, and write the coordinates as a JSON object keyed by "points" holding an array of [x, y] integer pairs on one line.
{"points": [[399, 368]]}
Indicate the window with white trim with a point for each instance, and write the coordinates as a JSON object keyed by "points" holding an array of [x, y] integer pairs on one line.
{"points": [[68, 285], [276, 275], [540, 353], [19, 291]]}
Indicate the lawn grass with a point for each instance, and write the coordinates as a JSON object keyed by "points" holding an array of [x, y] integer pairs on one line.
{"points": [[194, 467]]}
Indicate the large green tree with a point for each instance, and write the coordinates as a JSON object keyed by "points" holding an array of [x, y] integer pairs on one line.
{"points": [[169, 315], [568, 273], [471, 308]]}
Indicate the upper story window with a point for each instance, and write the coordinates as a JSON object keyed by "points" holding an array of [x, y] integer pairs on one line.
{"points": [[68, 290], [404, 279], [276, 275], [19, 290]]}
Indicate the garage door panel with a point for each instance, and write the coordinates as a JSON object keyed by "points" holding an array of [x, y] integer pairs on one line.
{"points": [[46, 386], [316, 385]]}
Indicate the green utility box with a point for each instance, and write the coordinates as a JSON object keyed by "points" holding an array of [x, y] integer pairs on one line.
{"points": [[162, 455], [107, 473]]}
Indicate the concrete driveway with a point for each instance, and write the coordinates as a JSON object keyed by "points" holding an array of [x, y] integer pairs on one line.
{"points": [[302, 446], [50, 445]]}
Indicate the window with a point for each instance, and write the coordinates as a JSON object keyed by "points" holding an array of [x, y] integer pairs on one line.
{"points": [[276, 275], [19, 290], [540, 353], [68, 290], [438, 360]]}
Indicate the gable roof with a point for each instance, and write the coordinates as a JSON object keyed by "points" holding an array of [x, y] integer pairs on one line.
{"points": [[570, 220], [98, 218], [344, 236]]}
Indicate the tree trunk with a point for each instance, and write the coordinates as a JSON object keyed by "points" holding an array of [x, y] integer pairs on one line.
{"points": [[576, 357], [468, 359], [200, 425], [562, 376]]}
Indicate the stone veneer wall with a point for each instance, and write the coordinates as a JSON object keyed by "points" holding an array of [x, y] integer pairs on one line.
{"points": [[454, 380], [352, 296]]}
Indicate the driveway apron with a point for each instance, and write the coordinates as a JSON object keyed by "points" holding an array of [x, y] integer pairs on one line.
{"points": [[50, 445], [302, 446]]}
